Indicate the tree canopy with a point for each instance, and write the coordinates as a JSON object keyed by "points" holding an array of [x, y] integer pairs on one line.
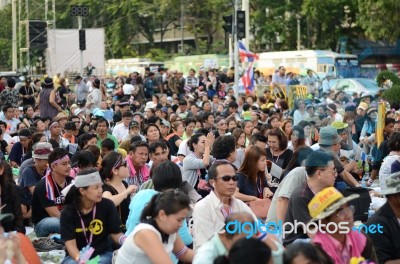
{"points": [[273, 24]]}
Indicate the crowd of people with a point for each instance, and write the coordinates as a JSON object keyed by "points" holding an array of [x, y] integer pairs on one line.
{"points": [[161, 168]]}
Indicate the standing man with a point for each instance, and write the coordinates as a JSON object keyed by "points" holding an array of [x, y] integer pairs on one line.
{"points": [[279, 77], [89, 69], [82, 91], [48, 200], [27, 93]]}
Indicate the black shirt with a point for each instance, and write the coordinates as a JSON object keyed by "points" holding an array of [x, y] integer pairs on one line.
{"points": [[298, 210], [249, 188], [281, 160], [12, 204], [27, 91], [40, 201], [123, 207], [172, 146], [104, 223]]}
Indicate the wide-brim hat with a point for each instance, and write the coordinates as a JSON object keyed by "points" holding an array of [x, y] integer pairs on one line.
{"points": [[327, 202], [392, 184]]}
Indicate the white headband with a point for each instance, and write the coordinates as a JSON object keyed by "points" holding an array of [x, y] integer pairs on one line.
{"points": [[88, 179]]}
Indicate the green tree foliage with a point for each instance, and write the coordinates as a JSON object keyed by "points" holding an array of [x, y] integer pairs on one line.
{"points": [[328, 20], [5, 38], [380, 19], [205, 22]]}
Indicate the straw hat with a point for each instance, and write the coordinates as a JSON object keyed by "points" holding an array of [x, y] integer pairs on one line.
{"points": [[327, 202]]}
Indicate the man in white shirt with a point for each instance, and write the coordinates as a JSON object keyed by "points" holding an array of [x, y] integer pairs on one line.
{"points": [[121, 130], [279, 77], [209, 214]]}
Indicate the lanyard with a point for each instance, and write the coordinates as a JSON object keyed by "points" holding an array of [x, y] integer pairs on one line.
{"points": [[260, 187], [56, 185], [84, 228], [224, 212]]}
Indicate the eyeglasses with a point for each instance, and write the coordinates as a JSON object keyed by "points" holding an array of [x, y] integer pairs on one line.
{"points": [[123, 164], [341, 213], [227, 178], [222, 123], [334, 171]]}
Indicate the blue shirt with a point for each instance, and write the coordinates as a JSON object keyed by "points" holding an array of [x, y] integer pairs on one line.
{"points": [[138, 202]]}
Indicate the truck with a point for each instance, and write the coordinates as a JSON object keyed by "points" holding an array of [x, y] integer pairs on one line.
{"points": [[322, 62]]}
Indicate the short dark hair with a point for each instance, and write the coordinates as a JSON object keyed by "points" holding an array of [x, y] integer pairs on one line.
{"points": [[85, 138], [86, 159], [394, 141], [233, 104], [6, 107], [153, 119], [126, 114], [206, 115], [258, 137], [189, 120], [56, 154], [317, 159], [223, 147], [155, 145], [101, 120], [166, 175], [70, 126], [138, 144], [212, 171], [148, 127], [389, 120], [11, 82], [108, 143]]}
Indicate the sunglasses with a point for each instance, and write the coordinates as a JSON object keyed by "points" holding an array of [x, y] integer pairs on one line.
{"points": [[227, 178]]}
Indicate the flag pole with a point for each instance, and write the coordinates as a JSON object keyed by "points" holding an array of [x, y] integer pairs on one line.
{"points": [[236, 50]]}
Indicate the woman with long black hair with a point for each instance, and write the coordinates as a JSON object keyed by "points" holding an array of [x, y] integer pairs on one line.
{"points": [[89, 223], [9, 199], [113, 172]]}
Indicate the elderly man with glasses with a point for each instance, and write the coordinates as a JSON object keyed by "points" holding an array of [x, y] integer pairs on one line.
{"points": [[210, 213]]}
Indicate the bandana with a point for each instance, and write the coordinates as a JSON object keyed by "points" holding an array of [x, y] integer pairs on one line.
{"points": [[88, 179]]}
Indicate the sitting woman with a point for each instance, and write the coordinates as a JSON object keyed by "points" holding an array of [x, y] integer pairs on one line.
{"points": [[156, 236], [113, 172], [196, 163], [167, 175], [297, 138], [10, 200], [342, 244], [252, 183], [89, 223]]}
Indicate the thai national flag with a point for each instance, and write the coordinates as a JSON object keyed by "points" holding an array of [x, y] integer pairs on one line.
{"points": [[248, 79], [245, 55]]}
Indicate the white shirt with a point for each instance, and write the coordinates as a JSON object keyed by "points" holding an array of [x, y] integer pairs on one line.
{"points": [[386, 170], [120, 131], [184, 149], [131, 253], [128, 88], [209, 220]]}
